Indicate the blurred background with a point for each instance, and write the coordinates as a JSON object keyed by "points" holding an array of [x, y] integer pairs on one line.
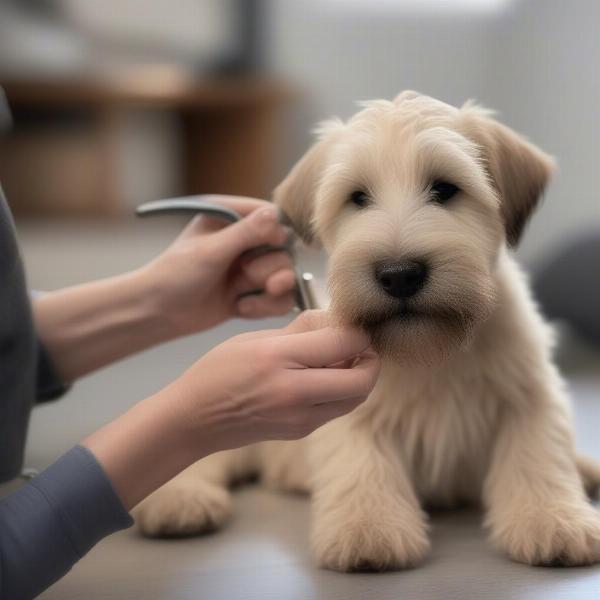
{"points": [[122, 101], [113, 103]]}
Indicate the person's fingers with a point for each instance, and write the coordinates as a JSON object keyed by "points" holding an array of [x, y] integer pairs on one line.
{"points": [[264, 305], [322, 347], [324, 413], [258, 229], [251, 336], [320, 386], [280, 283], [204, 223], [240, 204], [343, 384], [308, 320], [199, 225], [260, 268], [240, 285], [243, 205]]}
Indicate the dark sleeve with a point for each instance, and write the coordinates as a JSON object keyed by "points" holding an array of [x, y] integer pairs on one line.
{"points": [[49, 385], [47, 525]]}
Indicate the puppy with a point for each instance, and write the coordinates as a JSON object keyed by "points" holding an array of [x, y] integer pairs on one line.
{"points": [[417, 204]]}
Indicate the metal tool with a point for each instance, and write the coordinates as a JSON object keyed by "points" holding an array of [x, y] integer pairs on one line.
{"points": [[201, 204]]}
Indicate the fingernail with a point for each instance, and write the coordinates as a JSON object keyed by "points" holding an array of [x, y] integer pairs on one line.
{"points": [[265, 216]]}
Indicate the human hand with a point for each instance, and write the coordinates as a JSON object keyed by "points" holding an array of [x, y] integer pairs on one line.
{"points": [[274, 384], [201, 279]]}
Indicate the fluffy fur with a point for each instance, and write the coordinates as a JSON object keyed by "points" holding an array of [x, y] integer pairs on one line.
{"points": [[469, 406]]}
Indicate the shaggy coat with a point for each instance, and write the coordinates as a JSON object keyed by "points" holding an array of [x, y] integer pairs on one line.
{"points": [[469, 406]]}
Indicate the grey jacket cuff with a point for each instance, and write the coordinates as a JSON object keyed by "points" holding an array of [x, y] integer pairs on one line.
{"points": [[51, 522], [83, 495]]}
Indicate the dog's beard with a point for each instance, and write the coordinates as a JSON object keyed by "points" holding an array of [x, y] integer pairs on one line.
{"points": [[418, 336], [425, 329]]}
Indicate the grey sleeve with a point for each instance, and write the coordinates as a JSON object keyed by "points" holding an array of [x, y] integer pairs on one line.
{"points": [[49, 385], [47, 525]]}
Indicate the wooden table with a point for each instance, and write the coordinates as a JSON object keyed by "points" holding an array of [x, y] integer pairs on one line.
{"points": [[62, 156]]}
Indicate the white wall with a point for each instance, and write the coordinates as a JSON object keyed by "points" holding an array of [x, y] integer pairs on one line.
{"points": [[544, 78], [341, 54]]}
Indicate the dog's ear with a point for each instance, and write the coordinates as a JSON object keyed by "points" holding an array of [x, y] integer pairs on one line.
{"points": [[518, 169], [295, 195]]}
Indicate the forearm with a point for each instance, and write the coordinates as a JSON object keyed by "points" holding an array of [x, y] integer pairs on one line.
{"points": [[153, 441], [52, 521], [88, 326]]}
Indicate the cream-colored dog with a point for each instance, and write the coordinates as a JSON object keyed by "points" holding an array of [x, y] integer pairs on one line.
{"points": [[416, 203]]}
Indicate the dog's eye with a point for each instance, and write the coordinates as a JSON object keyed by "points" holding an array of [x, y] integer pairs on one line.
{"points": [[360, 199], [442, 191]]}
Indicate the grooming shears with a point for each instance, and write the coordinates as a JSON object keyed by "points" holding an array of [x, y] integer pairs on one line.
{"points": [[201, 204]]}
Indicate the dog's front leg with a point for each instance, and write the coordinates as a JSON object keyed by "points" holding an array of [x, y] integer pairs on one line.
{"points": [[537, 508], [197, 500], [365, 513]]}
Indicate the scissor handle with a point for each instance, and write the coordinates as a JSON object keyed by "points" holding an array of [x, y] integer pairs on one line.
{"points": [[189, 204], [195, 204]]}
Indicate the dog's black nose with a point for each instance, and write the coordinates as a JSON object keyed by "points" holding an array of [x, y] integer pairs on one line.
{"points": [[401, 279]]}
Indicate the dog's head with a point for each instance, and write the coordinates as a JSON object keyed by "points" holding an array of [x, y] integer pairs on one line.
{"points": [[414, 200]]}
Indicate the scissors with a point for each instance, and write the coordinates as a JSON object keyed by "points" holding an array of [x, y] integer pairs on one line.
{"points": [[200, 204]]}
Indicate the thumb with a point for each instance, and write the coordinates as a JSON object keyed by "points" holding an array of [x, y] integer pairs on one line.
{"points": [[260, 227]]}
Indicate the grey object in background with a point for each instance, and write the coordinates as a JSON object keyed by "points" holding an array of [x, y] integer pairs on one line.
{"points": [[568, 287], [5, 116]]}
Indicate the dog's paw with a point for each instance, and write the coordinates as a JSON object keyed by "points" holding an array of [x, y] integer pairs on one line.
{"points": [[178, 511], [368, 544], [552, 536]]}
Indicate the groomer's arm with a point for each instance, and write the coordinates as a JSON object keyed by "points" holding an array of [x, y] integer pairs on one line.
{"points": [[274, 384], [277, 384], [195, 284]]}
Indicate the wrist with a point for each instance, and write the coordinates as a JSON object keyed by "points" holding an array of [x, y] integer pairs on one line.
{"points": [[149, 306], [162, 300], [200, 422], [141, 450]]}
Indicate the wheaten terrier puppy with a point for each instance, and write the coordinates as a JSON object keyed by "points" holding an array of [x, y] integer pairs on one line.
{"points": [[417, 204]]}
